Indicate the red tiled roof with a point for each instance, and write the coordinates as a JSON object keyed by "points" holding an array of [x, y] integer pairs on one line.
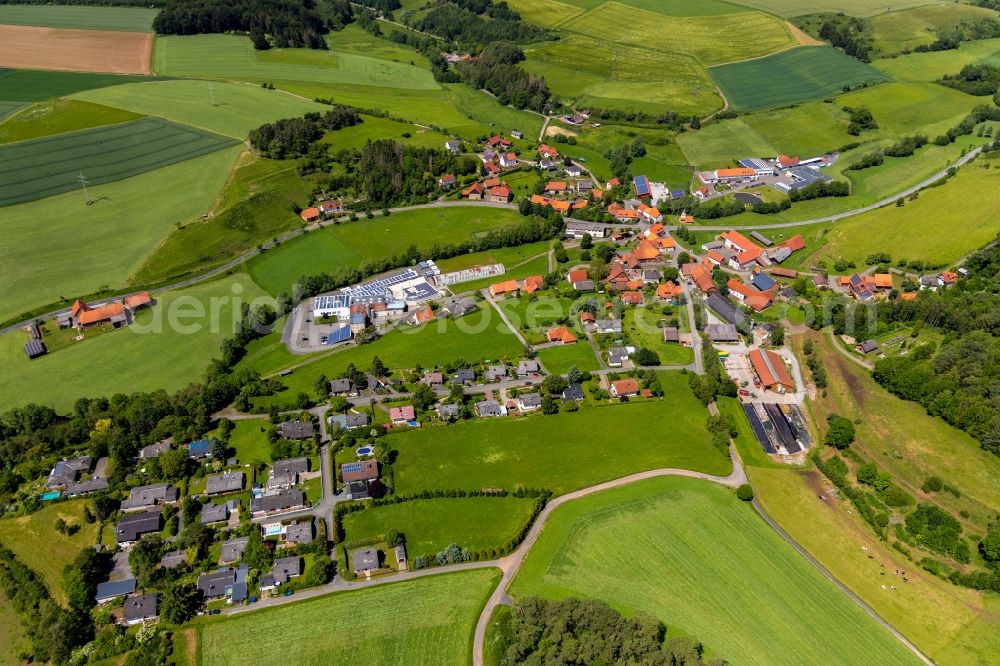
{"points": [[138, 300], [625, 387], [533, 283], [771, 369], [577, 275], [425, 315], [561, 334], [102, 313], [795, 243], [309, 214], [505, 287]]}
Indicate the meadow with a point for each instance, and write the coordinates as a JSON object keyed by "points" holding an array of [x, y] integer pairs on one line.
{"points": [[558, 360], [966, 210], [902, 31], [32, 85], [233, 57], [44, 167], [231, 109], [249, 440], [932, 66], [373, 128], [860, 8], [723, 143], [11, 635], [678, 549], [352, 244], [130, 19], [562, 452], [58, 116], [256, 204], [427, 621], [477, 336], [508, 256], [747, 34], [109, 238], [29, 536], [479, 523], [796, 75], [151, 354]]}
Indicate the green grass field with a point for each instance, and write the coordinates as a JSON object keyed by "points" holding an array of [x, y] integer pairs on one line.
{"points": [[131, 19], [249, 439], [238, 107], [902, 31], [41, 168], [558, 360], [966, 211], [747, 34], [903, 108], [30, 536], [233, 57], [932, 66], [430, 525], [85, 247], [355, 138], [425, 621], [27, 85], [354, 243], [562, 452], [58, 116], [8, 108], [255, 205], [723, 143], [136, 358], [508, 256], [688, 552], [796, 75], [12, 634], [477, 336], [809, 129], [860, 8]]}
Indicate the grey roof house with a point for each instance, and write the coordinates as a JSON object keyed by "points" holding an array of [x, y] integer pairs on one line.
{"points": [[285, 500], [364, 559], [527, 367], [296, 429], [130, 528], [214, 513], [140, 608], [113, 589], [232, 550], [144, 497], [228, 482], [299, 533], [341, 386], [529, 401]]}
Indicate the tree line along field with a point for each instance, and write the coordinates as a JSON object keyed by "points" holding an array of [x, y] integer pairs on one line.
{"points": [[562, 452], [352, 244], [83, 248], [430, 525], [141, 357], [41, 168], [902, 31], [796, 75], [655, 545], [92, 17], [425, 621]]}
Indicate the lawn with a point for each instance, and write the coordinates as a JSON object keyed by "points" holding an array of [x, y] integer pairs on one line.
{"points": [[710, 39], [850, 7], [233, 57], [723, 143], [168, 347], [35, 541], [353, 244], [424, 621], [249, 439], [109, 238], [255, 205], [966, 211], [27, 85], [642, 325], [683, 550], [558, 360], [562, 452], [267, 354], [232, 109], [796, 75], [950, 624], [508, 256], [58, 116], [904, 440], [373, 128], [534, 315], [429, 526], [477, 336], [806, 130], [41, 168], [130, 19]]}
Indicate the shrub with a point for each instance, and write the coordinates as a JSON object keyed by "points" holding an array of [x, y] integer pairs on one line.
{"points": [[745, 492], [840, 433]]}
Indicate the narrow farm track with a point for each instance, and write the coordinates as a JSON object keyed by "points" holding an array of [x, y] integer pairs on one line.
{"points": [[230, 265]]}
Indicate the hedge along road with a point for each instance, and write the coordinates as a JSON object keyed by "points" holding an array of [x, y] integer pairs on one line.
{"points": [[215, 272]]}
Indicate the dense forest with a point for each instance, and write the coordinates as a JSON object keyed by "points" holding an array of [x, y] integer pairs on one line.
{"points": [[496, 70], [575, 632], [473, 22], [981, 80], [281, 23], [293, 137]]}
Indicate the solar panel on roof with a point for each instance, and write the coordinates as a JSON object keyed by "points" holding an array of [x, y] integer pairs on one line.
{"points": [[352, 467]]}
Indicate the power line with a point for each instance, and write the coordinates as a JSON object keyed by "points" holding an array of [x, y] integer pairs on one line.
{"points": [[83, 183]]}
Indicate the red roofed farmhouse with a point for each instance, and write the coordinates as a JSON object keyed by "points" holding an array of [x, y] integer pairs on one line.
{"points": [[771, 371]]}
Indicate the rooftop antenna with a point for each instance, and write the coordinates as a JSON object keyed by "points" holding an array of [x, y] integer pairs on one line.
{"points": [[83, 183]]}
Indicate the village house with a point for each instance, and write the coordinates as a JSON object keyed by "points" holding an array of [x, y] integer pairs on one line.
{"points": [[359, 477], [496, 373], [348, 421], [129, 529], [867, 347], [286, 473], [142, 498], [296, 429], [561, 335], [464, 376], [577, 229], [624, 388], [329, 208], [771, 371], [576, 275], [747, 252], [228, 482], [453, 146], [155, 450], [650, 214], [755, 300], [490, 409], [533, 283], [527, 368], [474, 192], [224, 583], [548, 151], [403, 415], [447, 181], [504, 288], [607, 326], [529, 402], [279, 502], [501, 194], [214, 513], [139, 608]]}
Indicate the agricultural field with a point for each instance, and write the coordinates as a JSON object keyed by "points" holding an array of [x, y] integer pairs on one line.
{"points": [[121, 229], [476, 336], [354, 243], [372, 129], [231, 109], [479, 523], [558, 360], [129, 19], [256, 204], [904, 108], [508, 256], [33, 85], [860, 8], [233, 57], [747, 34], [35, 533], [58, 116], [902, 31], [722, 143], [427, 621], [115, 52], [966, 210], [562, 452], [806, 129], [168, 347], [44, 167], [796, 75], [932, 66], [698, 545]]}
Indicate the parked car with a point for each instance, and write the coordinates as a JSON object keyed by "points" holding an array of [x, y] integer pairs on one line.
{"points": [[744, 392]]}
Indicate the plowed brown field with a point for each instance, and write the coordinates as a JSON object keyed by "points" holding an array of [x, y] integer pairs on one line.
{"points": [[28, 47]]}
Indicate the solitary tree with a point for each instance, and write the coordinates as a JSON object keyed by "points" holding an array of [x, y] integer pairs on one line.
{"points": [[745, 492]]}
